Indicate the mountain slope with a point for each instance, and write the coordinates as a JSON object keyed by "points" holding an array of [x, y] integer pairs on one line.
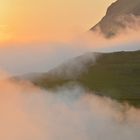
{"points": [[119, 15], [116, 75]]}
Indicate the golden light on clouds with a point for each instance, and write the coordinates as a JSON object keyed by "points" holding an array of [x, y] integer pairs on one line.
{"points": [[42, 20]]}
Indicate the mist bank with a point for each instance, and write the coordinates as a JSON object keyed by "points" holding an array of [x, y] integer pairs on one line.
{"points": [[28, 112], [20, 58]]}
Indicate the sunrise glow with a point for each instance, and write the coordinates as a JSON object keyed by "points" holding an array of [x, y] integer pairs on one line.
{"points": [[41, 20]]}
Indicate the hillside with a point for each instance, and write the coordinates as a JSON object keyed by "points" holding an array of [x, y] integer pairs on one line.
{"points": [[119, 15], [116, 75]]}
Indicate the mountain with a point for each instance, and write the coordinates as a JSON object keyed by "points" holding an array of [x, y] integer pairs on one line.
{"points": [[115, 75], [119, 15]]}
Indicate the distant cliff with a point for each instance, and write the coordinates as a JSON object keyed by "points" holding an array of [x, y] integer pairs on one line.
{"points": [[119, 15]]}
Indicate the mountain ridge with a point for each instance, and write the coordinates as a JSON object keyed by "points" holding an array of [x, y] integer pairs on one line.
{"points": [[115, 75], [120, 15]]}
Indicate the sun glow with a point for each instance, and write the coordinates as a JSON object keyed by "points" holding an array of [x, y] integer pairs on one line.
{"points": [[5, 33], [40, 20]]}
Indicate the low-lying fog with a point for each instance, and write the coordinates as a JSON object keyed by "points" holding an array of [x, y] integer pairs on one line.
{"points": [[27, 58], [29, 113]]}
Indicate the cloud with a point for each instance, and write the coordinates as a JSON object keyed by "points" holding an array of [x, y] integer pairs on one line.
{"points": [[28, 112], [20, 58]]}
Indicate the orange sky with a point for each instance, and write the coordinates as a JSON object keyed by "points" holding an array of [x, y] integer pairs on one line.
{"points": [[42, 20]]}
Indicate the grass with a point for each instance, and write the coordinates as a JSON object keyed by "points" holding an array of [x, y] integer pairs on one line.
{"points": [[116, 75]]}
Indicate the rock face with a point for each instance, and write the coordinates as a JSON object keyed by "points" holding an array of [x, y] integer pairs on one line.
{"points": [[119, 15]]}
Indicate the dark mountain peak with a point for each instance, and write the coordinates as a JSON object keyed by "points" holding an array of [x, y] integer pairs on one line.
{"points": [[118, 16]]}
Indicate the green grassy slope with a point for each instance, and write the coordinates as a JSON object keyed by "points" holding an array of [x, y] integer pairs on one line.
{"points": [[116, 75]]}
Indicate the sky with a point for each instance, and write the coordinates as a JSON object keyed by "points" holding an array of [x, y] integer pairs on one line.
{"points": [[45, 20]]}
